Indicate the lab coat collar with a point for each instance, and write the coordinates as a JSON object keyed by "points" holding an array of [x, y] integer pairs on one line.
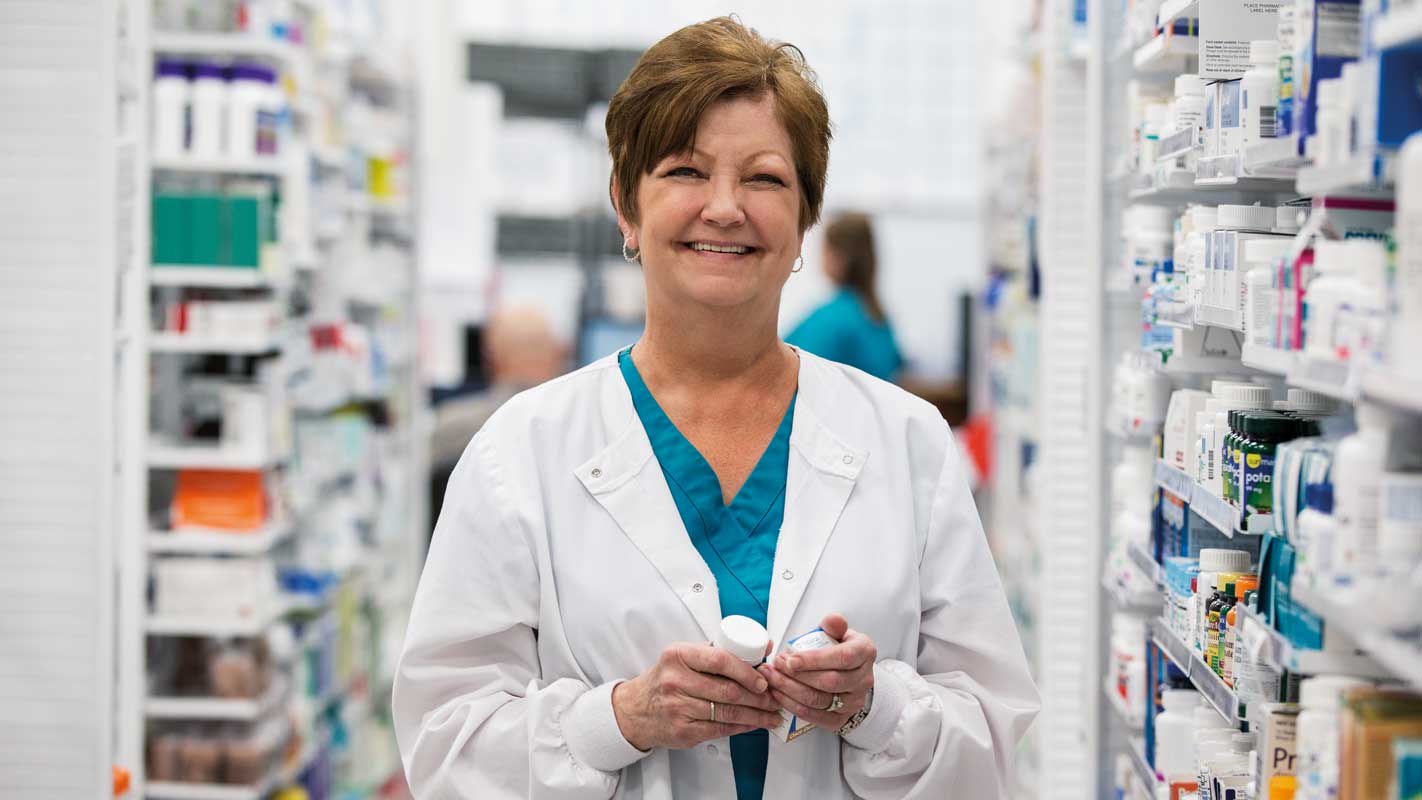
{"points": [[627, 481]]}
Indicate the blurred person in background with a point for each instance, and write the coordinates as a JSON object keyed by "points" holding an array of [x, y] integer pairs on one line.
{"points": [[851, 326], [600, 527], [520, 351]]}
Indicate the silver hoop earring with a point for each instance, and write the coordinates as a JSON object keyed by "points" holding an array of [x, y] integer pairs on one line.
{"points": [[800, 264], [634, 257]]}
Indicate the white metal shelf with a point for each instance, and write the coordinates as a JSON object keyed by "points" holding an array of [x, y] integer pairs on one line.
{"points": [[1228, 519], [183, 343], [1126, 600], [255, 625], [1211, 686], [212, 541], [1398, 391], [214, 277], [1145, 563], [169, 455], [1268, 359], [168, 790], [1172, 10], [1143, 769], [269, 166], [217, 708], [1278, 158], [225, 45], [1281, 654], [1165, 55], [1371, 628], [1364, 175], [1398, 27]]}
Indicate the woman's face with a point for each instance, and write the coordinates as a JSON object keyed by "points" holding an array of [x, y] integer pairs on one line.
{"points": [[720, 225]]}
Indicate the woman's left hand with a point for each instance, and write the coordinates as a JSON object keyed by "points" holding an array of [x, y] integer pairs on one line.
{"points": [[805, 684]]}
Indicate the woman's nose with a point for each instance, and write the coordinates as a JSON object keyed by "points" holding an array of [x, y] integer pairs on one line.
{"points": [[723, 203]]}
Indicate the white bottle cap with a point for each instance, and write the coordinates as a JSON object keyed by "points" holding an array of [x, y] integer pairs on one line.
{"points": [[1189, 86], [1264, 52], [1287, 219], [1204, 217], [1252, 218], [1306, 400], [744, 638], [1254, 396], [1216, 560], [1326, 691], [1219, 387]]}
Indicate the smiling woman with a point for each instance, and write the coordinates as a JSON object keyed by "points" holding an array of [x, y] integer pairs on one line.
{"points": [[599, 527]]}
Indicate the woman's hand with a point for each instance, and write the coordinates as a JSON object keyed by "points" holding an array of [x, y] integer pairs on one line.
{"points": [[805, 684], [670, 705]]}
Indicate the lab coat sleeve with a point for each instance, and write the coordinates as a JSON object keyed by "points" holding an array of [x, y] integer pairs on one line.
{"points": [[952, 723], [473, 716]]}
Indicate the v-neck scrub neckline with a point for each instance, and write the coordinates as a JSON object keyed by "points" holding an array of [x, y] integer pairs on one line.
{"points": [[736, 541]]}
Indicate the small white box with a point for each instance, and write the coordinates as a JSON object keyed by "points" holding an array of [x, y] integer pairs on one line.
{"points": [[790, 727]]}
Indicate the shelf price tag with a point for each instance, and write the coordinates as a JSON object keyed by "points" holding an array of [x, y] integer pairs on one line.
{"points": [[1173, 480], [1215, 511]]}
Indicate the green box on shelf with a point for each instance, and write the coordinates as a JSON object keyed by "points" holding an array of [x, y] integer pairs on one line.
{"points": [[172, 229], [207, 234], [245, 224]]}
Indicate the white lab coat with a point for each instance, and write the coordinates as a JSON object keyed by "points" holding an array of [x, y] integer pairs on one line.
{"points": [[560, 566]]}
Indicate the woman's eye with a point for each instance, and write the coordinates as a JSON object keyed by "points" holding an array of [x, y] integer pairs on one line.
{"points": [[677, 172], [767, 178]]}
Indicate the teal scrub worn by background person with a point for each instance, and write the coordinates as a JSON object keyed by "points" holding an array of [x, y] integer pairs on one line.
{"points": [[842, 330], [736, 541]]}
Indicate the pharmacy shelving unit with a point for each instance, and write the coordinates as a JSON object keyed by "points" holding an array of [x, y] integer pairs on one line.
{"points": [[1388, 646], [337, 86]]}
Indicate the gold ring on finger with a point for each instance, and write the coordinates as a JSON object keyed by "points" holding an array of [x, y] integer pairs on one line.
{"points": [[713, 711], [836, 703]]}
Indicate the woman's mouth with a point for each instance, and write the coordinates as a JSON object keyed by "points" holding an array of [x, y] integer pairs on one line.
{"points": [[721, 248]]}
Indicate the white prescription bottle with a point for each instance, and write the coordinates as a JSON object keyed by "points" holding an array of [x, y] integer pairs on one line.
{"points": [[790, 727], [209, 109], [1406, 329], [1320, 698], [1332, 286], [247, 96], [171, 94], [1329, 145], [1174, 732], [1190, 106], [1259, 95], [743, 638], [1258, 303]]}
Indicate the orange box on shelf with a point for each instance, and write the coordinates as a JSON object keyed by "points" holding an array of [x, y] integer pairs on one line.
{"points": [[234, 500]]}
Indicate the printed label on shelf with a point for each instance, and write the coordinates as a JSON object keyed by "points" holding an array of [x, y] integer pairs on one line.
{"points": [[1173, 480], [1226, 29], [1216, 511]]}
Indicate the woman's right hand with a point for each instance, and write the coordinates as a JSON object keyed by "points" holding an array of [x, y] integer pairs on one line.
{"points": [[669, 705]]}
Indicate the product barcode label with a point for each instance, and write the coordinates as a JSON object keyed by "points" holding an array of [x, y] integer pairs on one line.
{"points": [[1268, 120]]}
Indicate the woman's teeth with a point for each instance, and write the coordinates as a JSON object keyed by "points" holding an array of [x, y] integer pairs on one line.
{"points": [[719, 248]]}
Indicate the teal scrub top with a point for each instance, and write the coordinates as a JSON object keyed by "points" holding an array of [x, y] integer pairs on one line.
{"points": [[842, 330], [736, 541]]}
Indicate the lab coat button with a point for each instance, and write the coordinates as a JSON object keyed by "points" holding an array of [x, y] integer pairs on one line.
{"points": [[711, 748], [788, 575], [849, 459], [596, 473], [697, 587]]}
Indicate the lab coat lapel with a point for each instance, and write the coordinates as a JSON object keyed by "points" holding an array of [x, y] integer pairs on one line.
{"points": [[821, 476], [627, 481]]}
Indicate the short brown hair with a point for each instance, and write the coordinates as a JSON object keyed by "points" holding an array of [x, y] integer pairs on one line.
{"points": [[655, 112]]}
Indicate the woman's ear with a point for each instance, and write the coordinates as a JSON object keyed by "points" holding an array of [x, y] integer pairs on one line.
{"points": [[624, 226]]}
